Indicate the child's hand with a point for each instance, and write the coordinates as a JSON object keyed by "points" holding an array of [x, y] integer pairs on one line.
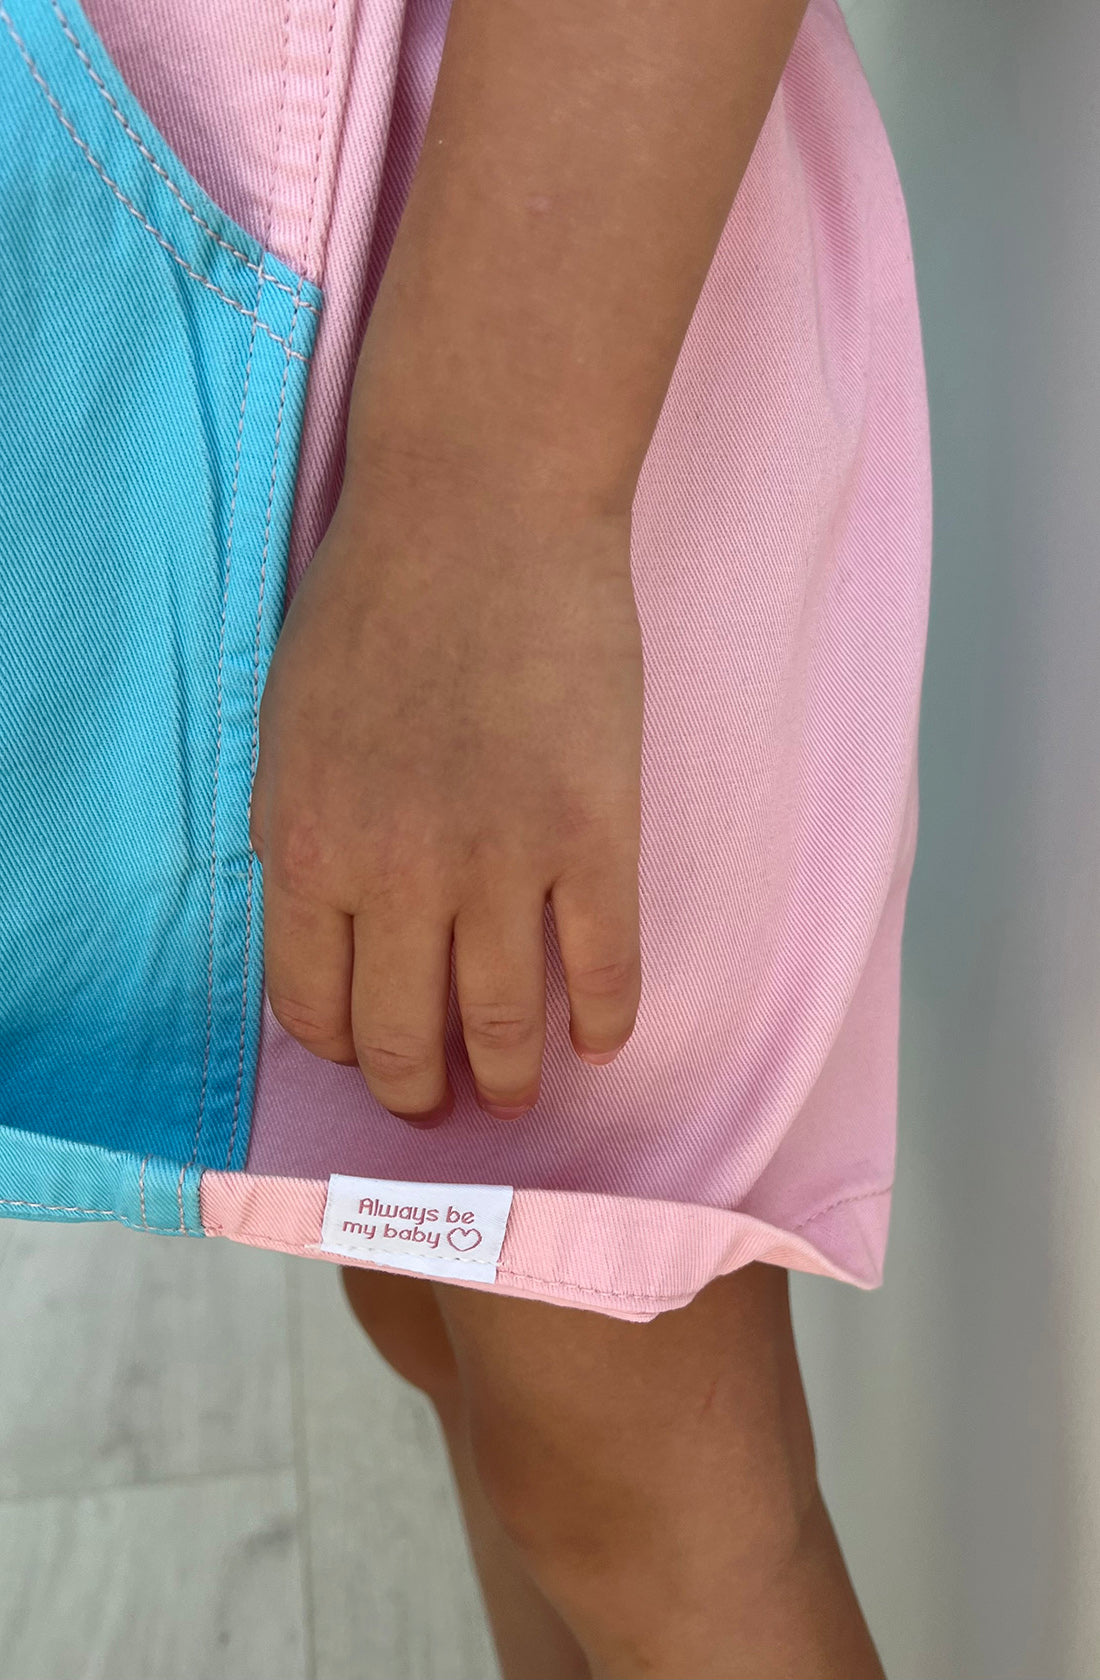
{"points": [[449, 733], [451, 728]]}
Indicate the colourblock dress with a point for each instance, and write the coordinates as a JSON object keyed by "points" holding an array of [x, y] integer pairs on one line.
{"points": [[201, 199]]}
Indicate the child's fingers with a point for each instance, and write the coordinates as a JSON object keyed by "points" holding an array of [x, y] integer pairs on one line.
{"points": [[596, 914], [307, 964], [500, 981], [399, 993]]}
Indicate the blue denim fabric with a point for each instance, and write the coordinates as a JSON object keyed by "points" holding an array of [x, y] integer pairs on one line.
{"points": [[51, 1178], [152, 382]]}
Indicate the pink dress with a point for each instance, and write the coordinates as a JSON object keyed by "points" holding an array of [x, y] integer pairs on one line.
{"points": [[781, 562]]}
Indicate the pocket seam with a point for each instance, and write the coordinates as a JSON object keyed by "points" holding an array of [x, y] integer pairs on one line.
{"points": [[128, 204], [132, 135]]}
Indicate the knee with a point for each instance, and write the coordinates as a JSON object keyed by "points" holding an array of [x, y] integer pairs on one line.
{"points": [[402, 1319], [604, 1510]]}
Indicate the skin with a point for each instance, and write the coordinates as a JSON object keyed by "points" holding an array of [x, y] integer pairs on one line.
{"points": [[641, 1499], [450, 732], [450, 740]]}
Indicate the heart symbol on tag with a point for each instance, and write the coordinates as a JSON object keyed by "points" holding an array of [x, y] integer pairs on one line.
{"points": [[464, 1239]]}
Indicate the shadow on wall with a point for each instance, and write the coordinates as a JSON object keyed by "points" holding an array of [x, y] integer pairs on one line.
{"points": [[956, 1407]]}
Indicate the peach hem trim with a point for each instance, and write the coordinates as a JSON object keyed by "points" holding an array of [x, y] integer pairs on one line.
{"points": [[622, 1256]]}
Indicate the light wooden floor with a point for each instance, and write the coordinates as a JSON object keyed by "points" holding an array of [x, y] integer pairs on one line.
{"points": [[207, 1474]]}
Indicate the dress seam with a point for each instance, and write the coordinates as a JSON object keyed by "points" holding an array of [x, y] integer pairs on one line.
{"points": [[310, 1251], [843, 1201], [97, 1213]]}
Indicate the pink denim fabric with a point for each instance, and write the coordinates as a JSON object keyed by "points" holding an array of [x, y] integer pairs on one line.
{"points": [[781, 557]]}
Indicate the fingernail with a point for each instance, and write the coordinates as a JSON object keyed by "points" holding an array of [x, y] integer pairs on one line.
{"points": [[598, 1058], [500, 1113], [430, 1118]]}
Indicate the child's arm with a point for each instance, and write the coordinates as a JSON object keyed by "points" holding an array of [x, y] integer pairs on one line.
{"points": [[451, 727]]}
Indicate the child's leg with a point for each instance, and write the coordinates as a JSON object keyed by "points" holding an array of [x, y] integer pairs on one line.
{"points": [[402, 1318], [659, 1481]]}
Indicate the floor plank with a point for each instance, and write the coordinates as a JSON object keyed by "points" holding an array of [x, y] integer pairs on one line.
{"points": [[129, 1358], [191, 1581], [393, 1592]]}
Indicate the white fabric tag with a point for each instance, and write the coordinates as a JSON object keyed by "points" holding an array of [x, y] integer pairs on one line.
{"points": [[445, 1230]]}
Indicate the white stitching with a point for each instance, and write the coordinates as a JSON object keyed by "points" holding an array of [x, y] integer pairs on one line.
{"points": [[321, 128], [246, 963], [163, 173], [24, 53], [52, 1207], [141, 1189], [217, 755], [276, 159], [217, 762], [246, 958], [98, 1213]]}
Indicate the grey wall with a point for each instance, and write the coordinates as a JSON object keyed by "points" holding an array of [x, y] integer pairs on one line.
{"points": [[958, 1409]]}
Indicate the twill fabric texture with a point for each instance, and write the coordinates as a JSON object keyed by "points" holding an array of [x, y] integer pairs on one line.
{"points": [[781, 558], [151, 391]]}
